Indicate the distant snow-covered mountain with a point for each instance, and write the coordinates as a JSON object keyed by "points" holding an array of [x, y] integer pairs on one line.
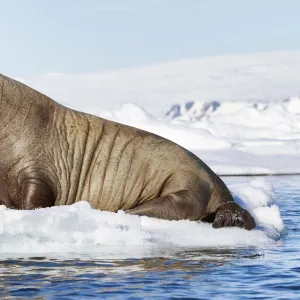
{"points": [[200, 110], [262, 76]]}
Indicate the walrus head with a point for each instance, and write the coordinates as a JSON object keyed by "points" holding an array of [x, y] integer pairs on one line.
{"points": [[232, 215]]}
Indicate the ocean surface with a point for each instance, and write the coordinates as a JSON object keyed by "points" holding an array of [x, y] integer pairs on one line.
{"points": [[262, 272]]}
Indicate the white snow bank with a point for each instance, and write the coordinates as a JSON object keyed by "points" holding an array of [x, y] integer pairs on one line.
{"points": [[264, 136], [185, 136], [80, 229], [231, 137]]}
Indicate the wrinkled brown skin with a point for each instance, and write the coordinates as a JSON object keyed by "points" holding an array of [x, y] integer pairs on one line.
{"points": [[53, 155]]}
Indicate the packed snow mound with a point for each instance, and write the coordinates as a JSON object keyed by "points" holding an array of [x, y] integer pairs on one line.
{"points": [[130, 112], [189, 138], [125, 113], [293, 105], [80, 229]]}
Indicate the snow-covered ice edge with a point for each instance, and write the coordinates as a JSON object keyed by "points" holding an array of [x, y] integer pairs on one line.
{"points": [[80, 229]]}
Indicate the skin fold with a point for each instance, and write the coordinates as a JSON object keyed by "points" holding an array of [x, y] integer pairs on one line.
{"points": [[52, 155]]}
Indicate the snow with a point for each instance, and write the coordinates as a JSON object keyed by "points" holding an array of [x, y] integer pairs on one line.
{"points": [[239, 114], [232, 137], [75, 229]]}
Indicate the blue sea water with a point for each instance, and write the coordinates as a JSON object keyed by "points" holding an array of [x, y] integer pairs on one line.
{"points": [[268, 272]]}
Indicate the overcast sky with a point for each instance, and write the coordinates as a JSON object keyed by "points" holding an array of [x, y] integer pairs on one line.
{"points": [[93, 35]]}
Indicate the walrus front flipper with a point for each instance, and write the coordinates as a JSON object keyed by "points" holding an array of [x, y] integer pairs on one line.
{"points": [[176, 206], [36, 193], [232, 215]]}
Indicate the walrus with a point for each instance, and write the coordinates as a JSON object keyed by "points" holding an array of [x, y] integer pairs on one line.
{"points": [[52, 155]]}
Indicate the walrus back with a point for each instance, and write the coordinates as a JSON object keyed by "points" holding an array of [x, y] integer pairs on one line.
{"points": [[111, 165]]}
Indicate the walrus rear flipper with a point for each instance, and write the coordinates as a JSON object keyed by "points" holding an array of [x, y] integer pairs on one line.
{"points": [[36, 194], [176, 206]]}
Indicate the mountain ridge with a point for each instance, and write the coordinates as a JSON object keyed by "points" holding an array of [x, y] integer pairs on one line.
{"points": [[243, 77]]}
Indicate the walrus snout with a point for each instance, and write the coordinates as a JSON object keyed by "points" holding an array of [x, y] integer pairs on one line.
{"points": [[232, 215]]}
